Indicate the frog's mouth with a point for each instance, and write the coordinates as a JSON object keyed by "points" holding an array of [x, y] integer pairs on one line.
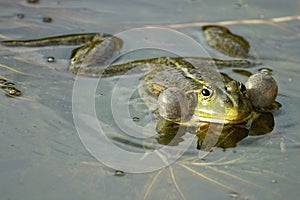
{"points": [[238, 108], [221, 118], [234, 109]]}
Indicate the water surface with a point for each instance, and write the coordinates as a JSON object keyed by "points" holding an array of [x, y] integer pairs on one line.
{"points": [[41, 154]]}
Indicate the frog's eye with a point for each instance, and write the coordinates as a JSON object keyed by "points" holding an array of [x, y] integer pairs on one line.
{"points": [[206, 92], [206, 95]]}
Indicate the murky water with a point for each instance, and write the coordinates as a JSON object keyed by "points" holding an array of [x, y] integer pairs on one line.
{"points": [[41, 154]]}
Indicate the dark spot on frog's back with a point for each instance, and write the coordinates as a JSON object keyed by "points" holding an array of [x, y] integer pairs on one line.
{"points": [[221, 39]]}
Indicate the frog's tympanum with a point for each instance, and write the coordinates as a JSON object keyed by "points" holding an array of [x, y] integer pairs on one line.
{"points": [[182, 91]]}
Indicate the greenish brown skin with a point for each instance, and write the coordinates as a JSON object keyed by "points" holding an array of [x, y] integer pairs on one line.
{"points": [[227, 99], [222, 40], [223, 101]]}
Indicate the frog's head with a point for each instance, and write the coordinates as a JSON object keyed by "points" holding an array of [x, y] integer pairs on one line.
{"points": [[228, 104]]}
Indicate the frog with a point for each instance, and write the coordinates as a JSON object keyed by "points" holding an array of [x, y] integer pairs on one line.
{"points": [[200, 97]]}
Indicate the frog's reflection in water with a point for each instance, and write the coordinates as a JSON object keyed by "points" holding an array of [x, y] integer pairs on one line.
{"points": [[171, 133]]}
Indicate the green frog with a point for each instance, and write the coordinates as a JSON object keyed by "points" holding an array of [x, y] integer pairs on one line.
{"points": [[183, 90]]}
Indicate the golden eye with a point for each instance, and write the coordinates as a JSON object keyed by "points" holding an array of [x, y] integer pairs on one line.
{"points": [[206, 93]]}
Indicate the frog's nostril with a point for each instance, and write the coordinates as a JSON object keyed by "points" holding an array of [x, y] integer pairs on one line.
{"points": [[228, 101]]}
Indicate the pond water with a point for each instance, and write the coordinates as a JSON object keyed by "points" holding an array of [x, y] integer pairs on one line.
{"points": [[43, 154]]}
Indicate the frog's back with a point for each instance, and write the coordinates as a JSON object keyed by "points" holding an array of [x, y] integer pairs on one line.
{"points": [[173, 73], [185, 74]]}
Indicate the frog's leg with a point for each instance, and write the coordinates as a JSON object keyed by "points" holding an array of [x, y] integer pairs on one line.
{"points": [[219, 63], [140, 66], [72, 39], [222, 40], [243, 72], [98, 48], [132, 67], [89, 58]]}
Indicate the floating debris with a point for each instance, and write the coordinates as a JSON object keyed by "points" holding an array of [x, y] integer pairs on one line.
{"points": [[266, 71], [20, 16], [32, 1], [119, 173], [282, 145], [50, 59], [12, 92], [9, 89], [47, 19], [234, 195], [136, 119], [240, 4], [274, 181]]}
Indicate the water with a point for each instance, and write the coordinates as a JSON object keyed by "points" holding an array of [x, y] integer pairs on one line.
{"points": [[42, 156]]}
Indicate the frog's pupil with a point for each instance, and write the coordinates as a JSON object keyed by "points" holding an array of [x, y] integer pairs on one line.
{"points": [[205, 92]]}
